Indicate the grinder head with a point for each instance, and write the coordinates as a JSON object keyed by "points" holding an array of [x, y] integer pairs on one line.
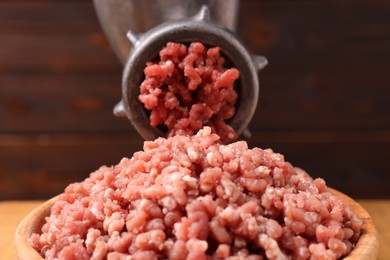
{"points": [[199, 28]]}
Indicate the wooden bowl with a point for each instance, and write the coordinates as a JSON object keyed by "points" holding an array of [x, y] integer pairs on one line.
{"points": [[368, 245], [366, 248], [32, 223]]}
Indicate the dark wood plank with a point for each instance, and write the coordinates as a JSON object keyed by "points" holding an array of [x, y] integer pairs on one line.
{"points": [[312, 99], [83, 102], [56, 37], [40, 166], [56, 54], [60, 103], [47, 17], [328, 63], [332, 30]]}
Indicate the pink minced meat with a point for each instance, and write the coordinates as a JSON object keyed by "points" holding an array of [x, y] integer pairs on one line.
{"points": [[191, 197], [188, 88]]}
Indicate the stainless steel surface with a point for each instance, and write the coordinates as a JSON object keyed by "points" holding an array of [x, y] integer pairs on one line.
{"points": [[119, 16]]}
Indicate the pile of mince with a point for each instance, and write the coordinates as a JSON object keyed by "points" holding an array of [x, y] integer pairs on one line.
{"points": [[192, 197]]}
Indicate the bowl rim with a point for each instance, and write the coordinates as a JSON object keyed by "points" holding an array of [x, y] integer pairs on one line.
{"points": [[366, 248], [27, 227]]}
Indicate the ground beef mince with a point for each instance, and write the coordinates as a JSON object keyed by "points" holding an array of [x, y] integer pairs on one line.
{"points": [[188, 88], [191, 197]]}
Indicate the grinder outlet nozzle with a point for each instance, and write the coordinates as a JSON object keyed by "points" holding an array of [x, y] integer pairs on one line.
{"points": [[199, 28]]}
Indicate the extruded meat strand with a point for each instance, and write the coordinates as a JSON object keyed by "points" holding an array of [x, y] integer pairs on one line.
{"points": [[188, 88]]}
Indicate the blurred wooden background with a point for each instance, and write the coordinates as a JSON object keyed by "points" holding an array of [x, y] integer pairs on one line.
{"points": [[324, 98]]}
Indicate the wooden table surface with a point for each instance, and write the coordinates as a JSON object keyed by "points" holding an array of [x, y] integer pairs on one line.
{"points": [[12, 212]]}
